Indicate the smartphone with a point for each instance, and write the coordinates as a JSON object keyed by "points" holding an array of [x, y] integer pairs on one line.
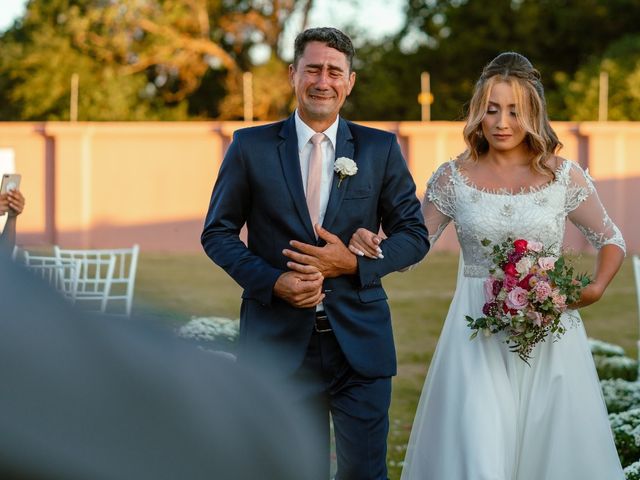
{"points": [[10, 181]]}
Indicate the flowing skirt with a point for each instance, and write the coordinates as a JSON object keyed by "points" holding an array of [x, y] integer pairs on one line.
{"points": [[484, 414]]}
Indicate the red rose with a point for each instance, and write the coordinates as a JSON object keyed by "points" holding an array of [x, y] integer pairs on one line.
{"points": [[520, 245], [524, 283], [506, 309], [510, 269]]}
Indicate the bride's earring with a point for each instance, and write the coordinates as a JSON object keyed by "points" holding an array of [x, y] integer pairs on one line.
{"points": [[479, 133]]}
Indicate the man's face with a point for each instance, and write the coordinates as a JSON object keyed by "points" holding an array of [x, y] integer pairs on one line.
{"points": [[322, 81]]}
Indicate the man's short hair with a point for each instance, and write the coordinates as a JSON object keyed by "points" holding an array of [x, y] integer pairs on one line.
{"points": [[332, 37]]}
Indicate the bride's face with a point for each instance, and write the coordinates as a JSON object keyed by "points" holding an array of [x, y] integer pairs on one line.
{"points": [[500, 123]]}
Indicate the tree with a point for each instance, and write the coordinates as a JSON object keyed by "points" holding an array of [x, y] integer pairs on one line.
{"points": [[454, 39], [39, 58], [177, 41], [621, 62], [146, 58]]}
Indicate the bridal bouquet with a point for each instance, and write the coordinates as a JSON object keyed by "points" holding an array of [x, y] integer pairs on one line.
{"points": [[528, 289]]}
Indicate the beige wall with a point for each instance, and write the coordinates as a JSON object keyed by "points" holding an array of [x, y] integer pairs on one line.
{"points": [[113, 184]]}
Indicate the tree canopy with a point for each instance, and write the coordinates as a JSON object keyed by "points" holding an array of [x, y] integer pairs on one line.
{"points": [[454, 39], [185, 59]]}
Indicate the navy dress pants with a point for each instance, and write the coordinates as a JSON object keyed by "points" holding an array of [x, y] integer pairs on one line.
{"points": [[358, 405]]}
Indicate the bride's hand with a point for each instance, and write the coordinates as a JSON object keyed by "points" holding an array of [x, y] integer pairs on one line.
{"points": [[589, 294], [366, 244]]}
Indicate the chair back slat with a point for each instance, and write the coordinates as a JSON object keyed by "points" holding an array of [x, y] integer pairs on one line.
{"points": [[61, 274], [118, 265]]}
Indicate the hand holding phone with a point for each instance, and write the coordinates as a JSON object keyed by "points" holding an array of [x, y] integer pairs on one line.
{"points": [[10, 181], [14, 203]]}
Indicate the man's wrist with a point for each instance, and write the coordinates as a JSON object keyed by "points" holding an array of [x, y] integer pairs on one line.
{"points": [[352, 268]]}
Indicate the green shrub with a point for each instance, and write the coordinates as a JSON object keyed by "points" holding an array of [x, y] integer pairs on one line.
{"points": [[604, 349], [616, 367], [626, 433]]}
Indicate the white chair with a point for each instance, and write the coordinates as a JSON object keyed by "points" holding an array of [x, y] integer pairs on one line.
{"points": [[61, 274], [122, 277]]}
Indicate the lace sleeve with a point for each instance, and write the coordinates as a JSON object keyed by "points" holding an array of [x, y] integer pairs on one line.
{"points": [[586, 212], [439, 204]]}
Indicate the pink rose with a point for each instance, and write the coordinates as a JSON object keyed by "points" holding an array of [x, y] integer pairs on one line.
{"points": [[536, 317], [517, 299], [559, 300], [535, 246], [547, 263], [542, 290], [488, 290], [509, 282]]}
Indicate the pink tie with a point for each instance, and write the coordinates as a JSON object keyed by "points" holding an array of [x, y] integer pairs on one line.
{"points": [[314, 178]]}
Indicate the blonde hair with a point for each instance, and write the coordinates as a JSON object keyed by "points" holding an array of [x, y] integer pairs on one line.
{"points": [[518, 72]]}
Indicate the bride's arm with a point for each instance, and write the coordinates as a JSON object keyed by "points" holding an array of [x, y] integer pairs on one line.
{"points": [[585, 210], [438, 208], [608, 263]]}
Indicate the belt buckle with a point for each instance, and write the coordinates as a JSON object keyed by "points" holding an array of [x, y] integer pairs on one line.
{"points": [[322, 330]]}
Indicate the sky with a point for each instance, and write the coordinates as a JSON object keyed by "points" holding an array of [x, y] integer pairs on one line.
{"points": [[378, 17], [9, 11]]}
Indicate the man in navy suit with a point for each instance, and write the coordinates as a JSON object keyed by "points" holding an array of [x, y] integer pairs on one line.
{"points": [[309, 303]]}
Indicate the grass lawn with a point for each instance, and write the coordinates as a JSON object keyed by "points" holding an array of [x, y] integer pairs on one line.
{"points": [[175, 287]]}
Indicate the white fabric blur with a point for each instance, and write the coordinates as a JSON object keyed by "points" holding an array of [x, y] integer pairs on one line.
{"points": [[484, 414]]}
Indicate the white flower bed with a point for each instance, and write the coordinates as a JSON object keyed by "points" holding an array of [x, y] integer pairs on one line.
{"points": [[598, 347], [626, 432], [209, 329], [632, 472], [620, 395]]}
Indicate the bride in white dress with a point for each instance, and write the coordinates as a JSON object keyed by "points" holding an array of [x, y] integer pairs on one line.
{"points": [[485, 414]]}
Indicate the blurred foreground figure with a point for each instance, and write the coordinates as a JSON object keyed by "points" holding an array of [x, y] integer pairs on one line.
{"points": [[89, 398]]}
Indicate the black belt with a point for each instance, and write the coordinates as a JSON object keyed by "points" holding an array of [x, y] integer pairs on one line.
{"points": [[322, 323]]}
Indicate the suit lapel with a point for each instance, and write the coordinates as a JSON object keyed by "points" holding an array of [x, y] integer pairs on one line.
{"points": [[344, 148], [290, 161]]}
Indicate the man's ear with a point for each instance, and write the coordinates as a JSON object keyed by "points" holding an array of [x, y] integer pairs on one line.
{"points": [[292, 72], [352, 82]]}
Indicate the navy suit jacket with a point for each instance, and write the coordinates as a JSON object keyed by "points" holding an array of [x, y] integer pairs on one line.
{"points": [[260, 183]]}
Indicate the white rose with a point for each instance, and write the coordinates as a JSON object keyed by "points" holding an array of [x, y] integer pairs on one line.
{"points": [[547, 263], [535, 246], [345, 166], [524, 265]]}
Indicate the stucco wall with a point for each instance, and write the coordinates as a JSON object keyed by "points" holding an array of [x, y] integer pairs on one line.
{"points": [[115, 184]]}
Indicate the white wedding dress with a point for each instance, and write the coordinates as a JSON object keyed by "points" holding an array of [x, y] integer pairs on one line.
{"points": [[484, 414]]}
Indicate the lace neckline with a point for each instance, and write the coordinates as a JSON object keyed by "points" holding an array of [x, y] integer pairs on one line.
{"points": [[466, 181]]}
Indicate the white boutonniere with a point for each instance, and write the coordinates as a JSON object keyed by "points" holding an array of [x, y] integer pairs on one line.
{"points": [[344, 167]]}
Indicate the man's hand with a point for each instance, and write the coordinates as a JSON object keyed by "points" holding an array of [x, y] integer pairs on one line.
{"points": [[300, 289], [332, 260]]}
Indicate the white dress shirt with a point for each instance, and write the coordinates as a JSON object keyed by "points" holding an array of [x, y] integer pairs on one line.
{"points": [[328, 146]]}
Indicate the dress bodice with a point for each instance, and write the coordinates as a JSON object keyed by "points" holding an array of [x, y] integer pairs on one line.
{"points": [[537, 213]]}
